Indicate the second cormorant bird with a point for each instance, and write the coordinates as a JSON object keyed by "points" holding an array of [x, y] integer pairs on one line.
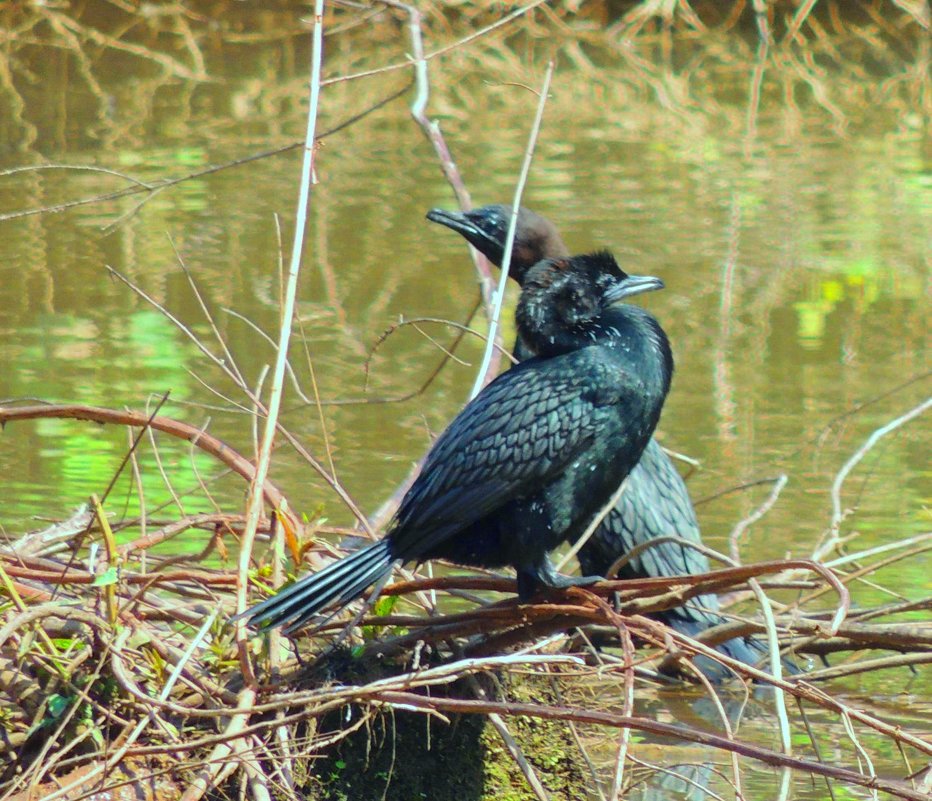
{"points": [[534, 456], [655, 502]]}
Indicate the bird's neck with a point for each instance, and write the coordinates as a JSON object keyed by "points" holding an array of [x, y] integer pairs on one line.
{"points": [[638, 338], [630, 331], [546, 332]]}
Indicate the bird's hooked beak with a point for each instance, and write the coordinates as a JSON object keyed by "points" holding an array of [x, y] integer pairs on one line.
{"points": [[631, 285], [466, 225]]}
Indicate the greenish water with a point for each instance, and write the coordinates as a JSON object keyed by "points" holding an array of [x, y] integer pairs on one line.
{"points": [[813, 235]]}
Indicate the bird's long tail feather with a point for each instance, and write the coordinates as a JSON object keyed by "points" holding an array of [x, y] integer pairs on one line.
{"points": [[335, 585]]}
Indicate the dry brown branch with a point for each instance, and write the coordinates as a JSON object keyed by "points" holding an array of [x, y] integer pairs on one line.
{"points": [[868, 665], [414, 701], [54, 537], [248, 716], [166, 532]]}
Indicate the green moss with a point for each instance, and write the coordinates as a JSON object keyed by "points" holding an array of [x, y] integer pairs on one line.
{"points": [[401, 756]]}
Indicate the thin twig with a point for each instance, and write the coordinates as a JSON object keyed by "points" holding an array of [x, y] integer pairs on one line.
{"points": [[838, 513], [485, 368], [743, 525], [155, 187], [420, 702], [254, 504]]}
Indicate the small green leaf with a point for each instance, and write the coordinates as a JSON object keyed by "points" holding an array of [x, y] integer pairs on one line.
{"points": [[140, 637], [110, 576], [384, 606], [67, 643], [57, 704], [97, 736]]}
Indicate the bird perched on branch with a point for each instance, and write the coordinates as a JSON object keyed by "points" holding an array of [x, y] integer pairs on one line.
{"points": [[655, 503], [534, 456]]}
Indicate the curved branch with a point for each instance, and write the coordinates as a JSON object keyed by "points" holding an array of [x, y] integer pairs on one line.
{"points": [[414, 701], [238, 463]]}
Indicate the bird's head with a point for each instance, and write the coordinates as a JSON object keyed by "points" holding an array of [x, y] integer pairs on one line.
{"points": [[563, 299], [486, 229]]}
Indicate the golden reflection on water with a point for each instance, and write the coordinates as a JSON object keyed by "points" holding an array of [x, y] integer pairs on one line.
{"points": [[813, 236]]}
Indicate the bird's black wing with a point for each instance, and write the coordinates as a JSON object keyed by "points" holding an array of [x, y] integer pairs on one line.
{"points": [[522, 430]]}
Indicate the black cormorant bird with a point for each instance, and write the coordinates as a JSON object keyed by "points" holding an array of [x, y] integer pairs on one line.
{"points": [[655, 502], [534, 456]]}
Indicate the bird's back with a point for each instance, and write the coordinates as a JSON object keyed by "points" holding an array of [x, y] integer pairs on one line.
{"points": [[527, 456]]}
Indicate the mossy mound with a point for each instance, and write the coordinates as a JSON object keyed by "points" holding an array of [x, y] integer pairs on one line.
{"points": [[407, 756]]}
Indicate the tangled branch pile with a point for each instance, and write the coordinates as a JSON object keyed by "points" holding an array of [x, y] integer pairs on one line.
{"points": [[124, 670]]}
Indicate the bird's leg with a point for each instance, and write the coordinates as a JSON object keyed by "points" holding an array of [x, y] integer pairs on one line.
{"points": [[616, 601], [557, 581], [527, 585], [543, 576]]}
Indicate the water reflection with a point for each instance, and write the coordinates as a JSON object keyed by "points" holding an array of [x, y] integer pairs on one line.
{"points": [[826, 235], [684, 782]]}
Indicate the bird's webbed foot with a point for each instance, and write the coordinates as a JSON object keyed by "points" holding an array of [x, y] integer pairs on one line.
{"points": [[543, 577]]}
